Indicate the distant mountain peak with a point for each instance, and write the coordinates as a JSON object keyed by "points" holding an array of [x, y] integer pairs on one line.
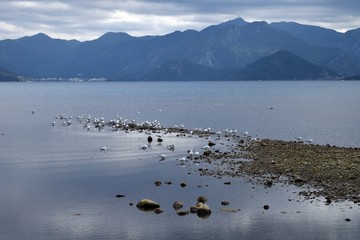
{"points": [[117, 35], [284, 65], [237, 21], [40, 35]]}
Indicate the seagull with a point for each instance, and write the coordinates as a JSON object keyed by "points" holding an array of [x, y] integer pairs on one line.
{"points": [[206, 147], [182, 159], [159, 140], [103, 148], [162, 157]]}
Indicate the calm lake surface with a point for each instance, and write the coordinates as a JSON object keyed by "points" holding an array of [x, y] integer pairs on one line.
{"points": [[55, 183]]}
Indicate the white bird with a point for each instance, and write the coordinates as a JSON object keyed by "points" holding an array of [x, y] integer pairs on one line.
{"points": [[162, 157], [309, 140], [206, 147], [245, 133], [182, 159], [103, 148]]}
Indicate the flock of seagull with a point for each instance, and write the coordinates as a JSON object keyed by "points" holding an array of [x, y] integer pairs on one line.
{"points": [[154, 128]]}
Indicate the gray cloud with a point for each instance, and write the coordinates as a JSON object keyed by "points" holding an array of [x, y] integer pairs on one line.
{"points": [[86, 19]]}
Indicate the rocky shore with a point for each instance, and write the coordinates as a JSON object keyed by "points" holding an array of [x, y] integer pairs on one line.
{"points": [[322, 170]]}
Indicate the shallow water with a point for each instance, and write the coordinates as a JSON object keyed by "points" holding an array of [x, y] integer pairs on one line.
{"points": [[55, 183]]}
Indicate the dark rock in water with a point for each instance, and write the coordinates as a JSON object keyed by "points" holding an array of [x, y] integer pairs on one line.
{"points": [[202, 210], [202, 199], [225, 203], [120, 196], [182, 213], [147, 205], [177, 205], [210, 144], [347, 219], [168, 183], [268, 183], [149, 139], [183, 184], [227, 183], [266, 207], [158, 210], [159, 140], [207, 152], [157, 183], [130, 204]]}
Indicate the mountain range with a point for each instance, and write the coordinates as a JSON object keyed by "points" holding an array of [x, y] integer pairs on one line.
{"points": [[232, 50]]}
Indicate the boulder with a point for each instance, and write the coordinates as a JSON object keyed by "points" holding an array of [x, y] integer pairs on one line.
{"points": [[158, 210], [182, 213], [202, 199], [202, 210], [147, 205], [177, 205]]}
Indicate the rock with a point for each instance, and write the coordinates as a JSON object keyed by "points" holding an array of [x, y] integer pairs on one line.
{"points": [[157, 183], [202, 199], [120, 196], [177, 205], [210, 144], [207, 152], [147, 205], [182, 213], [182, 184], [225, 203], [158, 210], [268, 183], [266, 207], [347, 219], [202, 210], [168, 183], [227, 183], [328, 200]]}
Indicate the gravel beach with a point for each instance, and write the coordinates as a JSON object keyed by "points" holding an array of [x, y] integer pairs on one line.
{"points": [[322, 170]]}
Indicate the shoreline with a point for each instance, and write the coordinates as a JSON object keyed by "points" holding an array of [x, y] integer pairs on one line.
{"points": [[322, 170]]}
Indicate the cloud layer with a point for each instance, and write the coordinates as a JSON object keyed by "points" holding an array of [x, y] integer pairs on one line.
{"points": [[86, 20]]}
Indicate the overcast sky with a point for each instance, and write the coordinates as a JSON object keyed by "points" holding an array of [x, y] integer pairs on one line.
{"points": [[89, 19]]}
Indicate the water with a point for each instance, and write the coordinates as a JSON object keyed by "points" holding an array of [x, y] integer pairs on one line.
{"points": [[55, 183]]}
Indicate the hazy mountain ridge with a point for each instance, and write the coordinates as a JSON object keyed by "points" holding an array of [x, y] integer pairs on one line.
{"points": [[7, 76], [226, 47]]}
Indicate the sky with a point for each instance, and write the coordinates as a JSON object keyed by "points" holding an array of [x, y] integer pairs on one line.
{"points": [[89, 19]]}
